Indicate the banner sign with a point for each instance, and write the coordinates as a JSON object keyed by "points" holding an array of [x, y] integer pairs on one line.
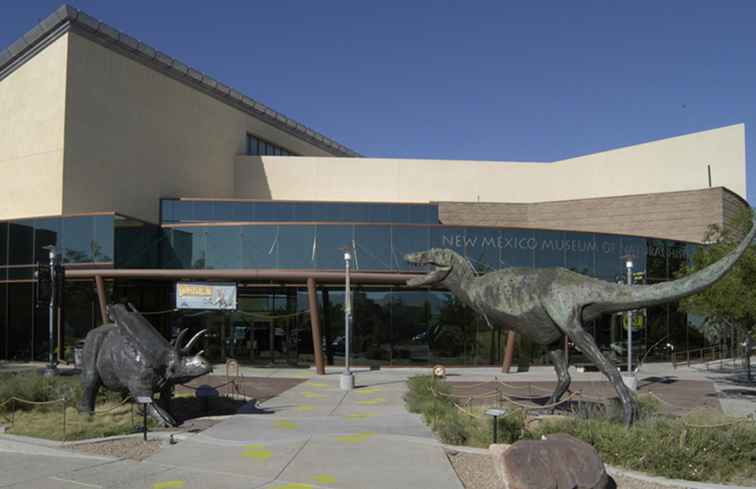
{"points": [[200, 295]]}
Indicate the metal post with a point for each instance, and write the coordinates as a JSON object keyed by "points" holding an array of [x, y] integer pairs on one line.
{"points": [[494, 418], [50, 370], [144, 421], [347, 379], [629, 265]]}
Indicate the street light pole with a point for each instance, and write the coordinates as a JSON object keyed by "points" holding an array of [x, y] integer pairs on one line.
{"points": [[629, 266], [51, 367], [347, 379]]}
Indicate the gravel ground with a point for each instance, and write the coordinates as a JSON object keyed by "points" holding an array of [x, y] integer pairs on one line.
{"points": [[477, 472], [130, 448]]}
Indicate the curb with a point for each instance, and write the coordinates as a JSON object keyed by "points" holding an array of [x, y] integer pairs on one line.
{"points": [[669, 482]]}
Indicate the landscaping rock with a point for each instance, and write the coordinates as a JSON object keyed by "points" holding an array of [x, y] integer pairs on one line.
{"points": [[557, 462]]}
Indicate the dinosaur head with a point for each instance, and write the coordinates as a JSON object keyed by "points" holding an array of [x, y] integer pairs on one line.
{"points": [[442, 261], [181, 366]]}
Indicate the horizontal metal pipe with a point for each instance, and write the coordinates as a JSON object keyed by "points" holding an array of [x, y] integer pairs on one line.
{"points": [[260, 275]]}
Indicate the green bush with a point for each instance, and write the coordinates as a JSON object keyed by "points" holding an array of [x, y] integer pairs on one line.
{"points": [[669, 447], [700, 447], [35, 387]]}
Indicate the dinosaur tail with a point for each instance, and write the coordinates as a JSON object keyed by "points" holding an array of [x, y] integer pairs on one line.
{"points": [[625, 297]]}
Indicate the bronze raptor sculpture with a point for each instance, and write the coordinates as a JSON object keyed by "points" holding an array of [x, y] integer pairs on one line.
{"points": [[546, 304]]}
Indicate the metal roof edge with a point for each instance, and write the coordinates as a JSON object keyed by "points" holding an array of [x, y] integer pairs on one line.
{"points": [[66, 16]]}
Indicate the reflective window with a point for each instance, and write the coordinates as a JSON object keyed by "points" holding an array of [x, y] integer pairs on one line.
{"points": [[46, 233], [580, 253], [296, 247], [331, 241], [408, 239], [373, 248], [224, 247], [103, 243], [202, 211], [223, 211], [260, 147], [451, 237], [191, 246], [167, 211], [409, 327], [482, 248], [656, 265], [21, 243], [550, 249], [516, 248], [260, 246], [3, 245], [609, 263], [78, 236]]}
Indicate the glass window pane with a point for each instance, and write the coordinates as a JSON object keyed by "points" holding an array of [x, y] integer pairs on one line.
{"points": [[677, 257], [451, 329], [550, 250], [408, 239], [176, 249], [448, 237], [302, 211], [433, 214], [77, 235], [409, 328], [259, 246], [418, 214], [331, 243], [482, 248], [296, 248], [656, 259], [20, 321], [166, 211], [224, 247], [373, 247], [46, 233], [379, 213], [400, 213], [3, 245], [182, 211], [223, 211], [202, 211], [354, 212], [251, 145], [102, 245], [242, 211], [371, 340], [517, 247], [21, 243], [191, 246], [609, 263], [580, 251]]}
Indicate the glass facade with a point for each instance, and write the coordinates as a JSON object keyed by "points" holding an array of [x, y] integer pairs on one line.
{"points": [[393, 325], [176, 211]]}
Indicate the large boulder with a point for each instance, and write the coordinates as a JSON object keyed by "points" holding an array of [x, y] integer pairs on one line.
{"points": [[559, 461]]}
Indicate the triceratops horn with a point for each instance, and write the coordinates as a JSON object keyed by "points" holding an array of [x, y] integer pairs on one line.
{"points": [[180, 338], [193, 340], [131, 306]]}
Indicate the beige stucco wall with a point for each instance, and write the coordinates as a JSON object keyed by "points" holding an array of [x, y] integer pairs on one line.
{"points": [[667, 165], [32, 106], [134, 134]]}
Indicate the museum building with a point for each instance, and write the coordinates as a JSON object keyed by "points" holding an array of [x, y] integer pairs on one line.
{"points": [[145, 173]]}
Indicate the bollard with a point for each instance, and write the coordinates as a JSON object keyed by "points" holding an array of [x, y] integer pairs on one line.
{"points": [[145, 421]]}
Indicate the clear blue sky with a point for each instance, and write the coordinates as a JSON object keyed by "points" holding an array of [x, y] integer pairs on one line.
{"points": [[528, 81]]}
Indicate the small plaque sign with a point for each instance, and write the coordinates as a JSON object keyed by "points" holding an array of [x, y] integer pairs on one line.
{"points": [[200, 295]]}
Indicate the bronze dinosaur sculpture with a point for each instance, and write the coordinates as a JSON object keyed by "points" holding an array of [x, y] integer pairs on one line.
{"points": [[546, 304]]}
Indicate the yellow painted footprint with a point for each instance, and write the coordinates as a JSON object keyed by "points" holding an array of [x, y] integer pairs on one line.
{"points": [[313, 395], [356, 438], [359, 416], [294, 485], [304, 408], [370, 402], [319, 385], [256, 451], [169, 485], [285, 424], [368, 390], [324, 479]]}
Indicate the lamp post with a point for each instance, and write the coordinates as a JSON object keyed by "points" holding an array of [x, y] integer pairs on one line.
{"points": [[629, 267], [347, 379], [51, 367]]}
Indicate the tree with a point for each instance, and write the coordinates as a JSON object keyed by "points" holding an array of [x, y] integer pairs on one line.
{"points": [[730, 303]]}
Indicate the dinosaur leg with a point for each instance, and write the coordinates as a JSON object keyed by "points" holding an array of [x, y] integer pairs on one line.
{"points": [[91, 382], [559, 359], [588, 346]]}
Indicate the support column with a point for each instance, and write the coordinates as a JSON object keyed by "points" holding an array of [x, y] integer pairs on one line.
{"points": [[101, 298], [317, 347], [509, 352]]}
